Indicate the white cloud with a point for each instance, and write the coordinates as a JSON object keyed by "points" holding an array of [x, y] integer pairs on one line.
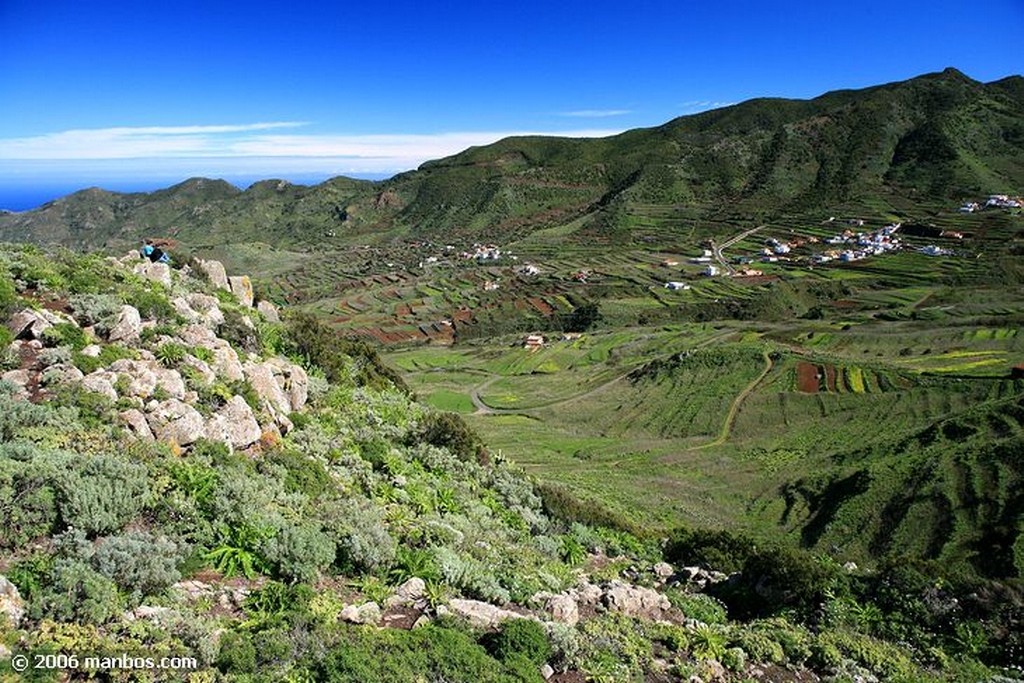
{"points": [[596, 113], [695, 106], [382, 152]]}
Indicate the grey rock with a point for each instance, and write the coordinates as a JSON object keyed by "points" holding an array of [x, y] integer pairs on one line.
{"points": [[241, 287], [101, 382], [156, 272], [481, 614], [136, 422], [62, 373], [564, 609], [172, 420], [663, 570], [546, 672], [29, 324], [92, 350], [269, 311], [214, 270], [635, 601], [227, 365], [234, 424], [128, 326], [367, 613], [19, 377], [12, 607], [409, 593], [204, 372]]}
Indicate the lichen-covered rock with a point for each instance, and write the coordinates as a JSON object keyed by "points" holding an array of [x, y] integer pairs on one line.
{"points": [[203, 372], [29, 324], [157, 272], [293, 380], [635, 601], [269, 311], [101, 382], [408, 594], [481, 614], [214, 270], [234, 424], [128, 326], [207, 307], [12, 607], [564, 609], [92, 350], [241, 287], [62, 373], [367, 613], [227, 365], [172, 420], [261, 377], [135, 420]]}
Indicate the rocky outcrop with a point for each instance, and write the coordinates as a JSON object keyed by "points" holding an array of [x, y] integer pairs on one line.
{"points": [[368, 613], [101, 382], [481, 614], [128, 326], [177, 422], [268, 311], [282, 387], [145, 377], [241, 287], [12, 607], [29, 324], [135, 420], [409, 594], [635, 601], [234, 424], [214, 271], [157, 272]]}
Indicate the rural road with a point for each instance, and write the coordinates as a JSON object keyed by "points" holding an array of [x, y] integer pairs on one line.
{"points": [[716, 249]]}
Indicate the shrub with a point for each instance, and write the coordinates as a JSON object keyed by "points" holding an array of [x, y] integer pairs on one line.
{"points": [[76, 592], [95, 309], [363, 541], [8, 295], [699, 606], [28, 502], [238, 331], [102, 494], [138, 562], [449, 430], [237, 653], [723, 551], [301, 474], [65, 334], [520, 638], [300, 552]]}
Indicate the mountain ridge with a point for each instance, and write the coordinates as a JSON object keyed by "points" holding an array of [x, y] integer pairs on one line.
{"points": [[940, 135]]}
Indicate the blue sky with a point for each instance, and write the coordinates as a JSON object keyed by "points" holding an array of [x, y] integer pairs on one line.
{"points": [[130, 95]]}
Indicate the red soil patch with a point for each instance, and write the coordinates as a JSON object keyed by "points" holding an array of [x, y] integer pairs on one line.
{"points": [[807, 377], [844, 304], [755, 279], [541, 306], [403, 310]]}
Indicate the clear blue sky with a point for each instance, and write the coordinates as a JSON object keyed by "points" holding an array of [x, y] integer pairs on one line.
{"points": [[143, 94]]}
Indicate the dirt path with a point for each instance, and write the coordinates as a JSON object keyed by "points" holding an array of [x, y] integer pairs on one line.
{"points": [[734, 408], [716, 249]]}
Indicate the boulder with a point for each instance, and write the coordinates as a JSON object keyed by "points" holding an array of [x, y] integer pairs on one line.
{"points": [[408, 594], [269, 311], [293, 380], [261, 377], [214, 271], [157, 272], [128, 326], [204, 373], [635, 601], [101, 382], [136, 422], [241, 287], [172, 420], [12, 607], [207, 307], [481, 614], [367, 613], [29, 324], [227, 365], [92, 350], [234, 424], [663, 570], [182, 308], [62, 373], [201, 336], [588, 593], [19, 378], [564, 609], [547, 672]]}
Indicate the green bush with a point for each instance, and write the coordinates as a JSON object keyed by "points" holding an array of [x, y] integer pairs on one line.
{"points": [[237, 653], [28, 501], [363, 541], [102, 494], [76, 592], [95, 309], [300, 552], [301, 474], [523, 638], [720, 550], [65, 334], [238, 332], [138, 562], [449, 430], [8, 295]]}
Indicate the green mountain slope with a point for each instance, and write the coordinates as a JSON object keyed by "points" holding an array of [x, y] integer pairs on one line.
{"points": [[939, 136]]}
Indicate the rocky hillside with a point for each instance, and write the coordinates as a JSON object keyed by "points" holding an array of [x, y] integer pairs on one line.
{"points": [[185, 478]]}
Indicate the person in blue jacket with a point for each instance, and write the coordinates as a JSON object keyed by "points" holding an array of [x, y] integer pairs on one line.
{"points": [[154, 253]]}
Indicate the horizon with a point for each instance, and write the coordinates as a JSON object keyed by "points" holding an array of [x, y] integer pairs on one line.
{"points": [[141, 101]]}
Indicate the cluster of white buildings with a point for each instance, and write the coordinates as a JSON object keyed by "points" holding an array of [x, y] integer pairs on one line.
{"points": [[994, 201], [483, 252], [861, 245]]}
